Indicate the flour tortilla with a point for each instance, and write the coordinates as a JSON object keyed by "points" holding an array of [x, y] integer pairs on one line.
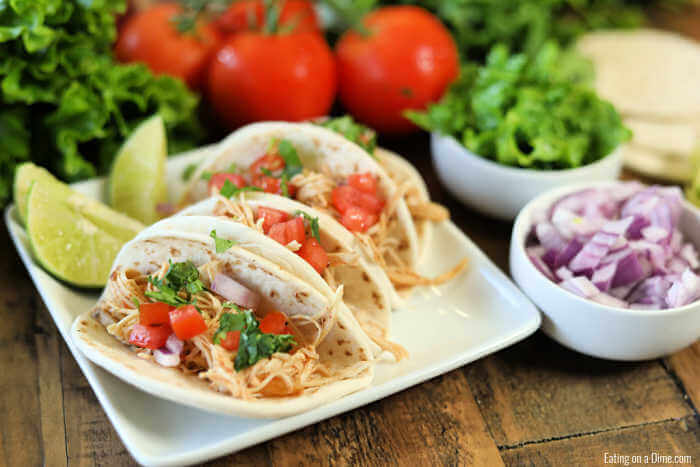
{"points": [[646, 72], [315, 145], [658, 165], [402, 171], [343, 347], [367, 290], [673, 138]]}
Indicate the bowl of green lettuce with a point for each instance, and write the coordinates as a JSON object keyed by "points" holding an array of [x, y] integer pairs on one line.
{"points": [[519, 125]]}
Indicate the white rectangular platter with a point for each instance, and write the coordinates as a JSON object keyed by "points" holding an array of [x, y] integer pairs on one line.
{"points": [[478, 313]]}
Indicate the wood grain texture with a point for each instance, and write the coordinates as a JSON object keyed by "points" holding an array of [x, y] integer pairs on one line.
{"points": [[686, 366], [538, 390], [666, 438]]}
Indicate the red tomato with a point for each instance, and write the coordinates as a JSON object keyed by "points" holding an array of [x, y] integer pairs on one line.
{"points": [[243, 15], [216, 182], [149, 337], [274, 322], [356, 219], [271, 216], [154, 313], [286, 232], [314, 254], [269, 162], [406, 61], [274, 185], [231, 341], [365, 182], [150, 37], [187, 322], [257, 76], [345, 196]]}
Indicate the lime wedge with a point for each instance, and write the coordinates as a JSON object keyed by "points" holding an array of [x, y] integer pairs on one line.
{"points": [[74, 237], [25, 175], [137, 180]]}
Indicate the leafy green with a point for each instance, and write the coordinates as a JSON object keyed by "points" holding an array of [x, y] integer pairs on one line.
{"points": [[538, 113], [188, 172], [291, 158], [180, 278], [72, 104], [229, 189], [221, 243], [362, 135], [254, 345], [313, 224], [522, 25]]}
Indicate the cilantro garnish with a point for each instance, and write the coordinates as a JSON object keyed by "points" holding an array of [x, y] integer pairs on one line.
{"points": [[359, 134], [254, 345], [206, 175], [189, 171], [313, 224], [291, 159], [136, 302], [229, 189], [284, 185], [181, 277], [221, 243]]}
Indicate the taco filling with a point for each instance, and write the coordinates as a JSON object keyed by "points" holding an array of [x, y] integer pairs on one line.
{"points": [[203, 322]]}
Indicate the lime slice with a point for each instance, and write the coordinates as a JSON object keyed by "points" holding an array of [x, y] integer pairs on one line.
{"points": [[25, 175], [137, 180], [74, 237]]}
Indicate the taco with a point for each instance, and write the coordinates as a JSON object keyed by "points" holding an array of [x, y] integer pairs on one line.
{"points": [[195, 311], [324, 170], [330, 250]]}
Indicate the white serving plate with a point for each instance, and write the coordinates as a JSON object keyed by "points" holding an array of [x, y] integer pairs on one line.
{"points": [[443, 328]]}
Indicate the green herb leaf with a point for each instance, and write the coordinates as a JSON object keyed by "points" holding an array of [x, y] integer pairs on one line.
{"points": [[206, 175], [313, 224], [136, 302], [188, 172], [221, 243], [229, 189], [229, 322], [362, 135], [180, 277], [291, 158]]}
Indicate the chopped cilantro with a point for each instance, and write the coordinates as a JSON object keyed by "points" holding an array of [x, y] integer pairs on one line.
{"points": [[206, 175], [229, 189], [284, 185], [188, 172], [233, 168], [180, 277], [136, 302], [291, 158], [254, 345], [359, 134], [221, 243], [313, 224]]}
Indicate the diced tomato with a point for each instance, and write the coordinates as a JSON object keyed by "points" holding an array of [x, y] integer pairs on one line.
{"points": [[286, 232], [275, 322], [187, 322], [271, 217], [231, 341], [365, 182], [314, 254], [154, 313], [346, 196], [217, 181], [274, 185], [356, 219], [271, 162], [149, 337]]}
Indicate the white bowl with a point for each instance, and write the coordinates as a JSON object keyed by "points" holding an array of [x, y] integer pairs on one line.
{"points": [[594, 329], [502, 191]]}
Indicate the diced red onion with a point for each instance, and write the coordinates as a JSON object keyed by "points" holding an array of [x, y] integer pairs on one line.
{"points": [[581, 286], [620, 245], [234, 291], [169, 354]]}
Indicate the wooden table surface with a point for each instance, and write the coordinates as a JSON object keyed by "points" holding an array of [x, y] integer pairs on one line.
{"points": [[535, 403]]}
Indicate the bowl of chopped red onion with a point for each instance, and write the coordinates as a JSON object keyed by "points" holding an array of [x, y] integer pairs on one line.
{"points": [[613, 267]]}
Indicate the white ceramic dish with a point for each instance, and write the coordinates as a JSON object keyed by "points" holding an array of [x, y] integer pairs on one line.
{"points": [[501, 191], [598, 330], [478, 313]]}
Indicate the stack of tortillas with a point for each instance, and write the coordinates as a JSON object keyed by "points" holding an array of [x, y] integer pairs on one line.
{"points": [[653, 79]]}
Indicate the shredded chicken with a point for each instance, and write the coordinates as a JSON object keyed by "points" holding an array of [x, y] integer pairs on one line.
{"points": [[282, 374]]}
